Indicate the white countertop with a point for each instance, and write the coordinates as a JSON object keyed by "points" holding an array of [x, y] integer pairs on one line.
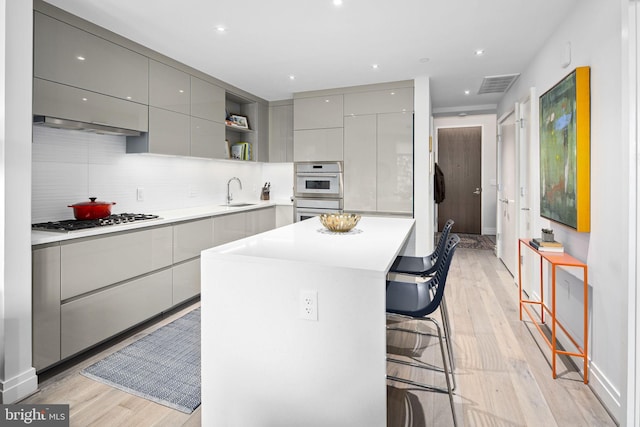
{"points": [[372, 245], [165, 217]]}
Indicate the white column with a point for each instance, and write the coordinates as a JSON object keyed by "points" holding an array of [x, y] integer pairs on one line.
{"points": [[17, 376], [422, 167]]}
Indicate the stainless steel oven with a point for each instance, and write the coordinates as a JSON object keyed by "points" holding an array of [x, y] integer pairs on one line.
{"points": [[317, 189], [318, 180]]}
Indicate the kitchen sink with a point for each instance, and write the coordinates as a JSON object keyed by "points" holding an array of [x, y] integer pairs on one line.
{"points": [[238, 205]]}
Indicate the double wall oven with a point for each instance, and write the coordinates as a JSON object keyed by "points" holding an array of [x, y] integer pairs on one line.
{"points": [[317, 188]]}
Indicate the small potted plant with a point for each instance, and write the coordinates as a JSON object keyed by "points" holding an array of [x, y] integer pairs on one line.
{"points": [[547, 235]]}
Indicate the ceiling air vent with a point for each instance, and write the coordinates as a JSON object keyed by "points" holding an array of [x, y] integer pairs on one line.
{"points": [[497, 84]]}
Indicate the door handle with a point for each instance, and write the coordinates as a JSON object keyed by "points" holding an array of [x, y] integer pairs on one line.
{"points": [[477, 191]]}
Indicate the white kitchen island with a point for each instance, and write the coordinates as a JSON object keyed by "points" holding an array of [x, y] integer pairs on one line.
{"points": [[264, 365]]}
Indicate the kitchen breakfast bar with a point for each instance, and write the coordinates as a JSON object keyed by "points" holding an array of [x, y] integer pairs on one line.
{"points": [[264, 363]]}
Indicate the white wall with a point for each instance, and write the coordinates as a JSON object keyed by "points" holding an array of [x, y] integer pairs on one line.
{"points": [[70, 166], [605, 247], [17, 376], [489, 170]]}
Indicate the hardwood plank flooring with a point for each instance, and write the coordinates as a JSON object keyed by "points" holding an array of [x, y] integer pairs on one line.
{"points": [[502, 368]]}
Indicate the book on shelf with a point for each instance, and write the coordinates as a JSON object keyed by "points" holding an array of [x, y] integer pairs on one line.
{"points": [[546, 246], [241, 151]]}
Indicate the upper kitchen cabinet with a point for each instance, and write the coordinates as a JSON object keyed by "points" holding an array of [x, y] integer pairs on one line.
{"points": [[281, 131], [169, 133], [318, 125], [207, 100], [318, 112], [318, 145], [169, 88], [60, 101], [68, 55], [207, 139], [393, 100]]}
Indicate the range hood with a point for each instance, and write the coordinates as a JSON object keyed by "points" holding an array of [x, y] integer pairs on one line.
{"points": [[102, 129]]}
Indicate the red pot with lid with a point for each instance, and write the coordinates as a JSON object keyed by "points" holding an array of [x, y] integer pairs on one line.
{"points": [[92, 209]]}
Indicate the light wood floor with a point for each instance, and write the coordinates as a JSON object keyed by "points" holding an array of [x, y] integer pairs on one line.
{"points": [[502, 368]]}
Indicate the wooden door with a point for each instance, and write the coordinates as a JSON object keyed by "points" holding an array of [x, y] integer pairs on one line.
{"points": [[459, 157]]}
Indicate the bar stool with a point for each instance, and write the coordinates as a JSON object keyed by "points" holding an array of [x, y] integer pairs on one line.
{"points": [[414, 301]]}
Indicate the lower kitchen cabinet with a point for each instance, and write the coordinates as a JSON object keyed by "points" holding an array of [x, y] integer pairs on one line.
{"points": [[186, 281], [97, 262], [228, 228], [94, 318], [46, 305], [88, 290], [259, 221], [190, 238]]}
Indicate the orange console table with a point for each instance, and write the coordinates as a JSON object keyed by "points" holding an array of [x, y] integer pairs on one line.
{"points": [[555, 260]]}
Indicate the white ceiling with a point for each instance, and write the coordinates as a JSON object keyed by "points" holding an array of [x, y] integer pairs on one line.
{"points": [[326, 46]]}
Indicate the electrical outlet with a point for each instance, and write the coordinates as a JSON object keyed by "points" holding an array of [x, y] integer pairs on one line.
{"points": [[140, 194], [309, 305]]}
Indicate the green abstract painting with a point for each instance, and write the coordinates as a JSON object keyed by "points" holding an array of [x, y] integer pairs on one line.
{"points": [[564, 125]]}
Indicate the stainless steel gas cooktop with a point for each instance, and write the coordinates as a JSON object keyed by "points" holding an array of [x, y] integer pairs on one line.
{"points": [[74, 224]]}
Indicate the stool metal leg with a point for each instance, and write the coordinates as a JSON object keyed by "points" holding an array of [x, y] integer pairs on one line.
{"points": [[449, 390]]}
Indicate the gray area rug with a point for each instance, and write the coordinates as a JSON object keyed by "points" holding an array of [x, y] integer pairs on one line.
{"points": [[474, 241], [163, 367]]}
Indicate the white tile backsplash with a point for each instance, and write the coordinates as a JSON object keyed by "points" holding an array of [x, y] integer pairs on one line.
{"points": [[71, 166]]}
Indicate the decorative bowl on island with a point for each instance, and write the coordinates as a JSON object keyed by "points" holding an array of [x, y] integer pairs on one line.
{"points": [[339, 222]]}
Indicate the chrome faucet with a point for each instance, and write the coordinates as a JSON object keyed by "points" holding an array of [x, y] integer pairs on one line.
{"points": [[229, 196]]}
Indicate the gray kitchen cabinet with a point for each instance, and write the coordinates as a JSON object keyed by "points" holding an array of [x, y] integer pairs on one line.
{"points": [[360, 163], [260, 220], [227, 228], [207, 139], [186, 281], [318, 112], [281, 132], [169, 88], [93, 263], [378, 163], [46, 305], [169, 133], [68, 55], [395, 163], [190, 238], [207, 100], [65, 102], [318, 145], [393, 100], [91, 319]]}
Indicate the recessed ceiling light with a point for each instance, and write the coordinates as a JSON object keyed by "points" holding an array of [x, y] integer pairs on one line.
{"points": [[466, 92], [221, 29], [337, 2], [80, 58], [84, 99], [479, 52], [327, 100], [374, 66], [181, 91], [292, 77]]}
